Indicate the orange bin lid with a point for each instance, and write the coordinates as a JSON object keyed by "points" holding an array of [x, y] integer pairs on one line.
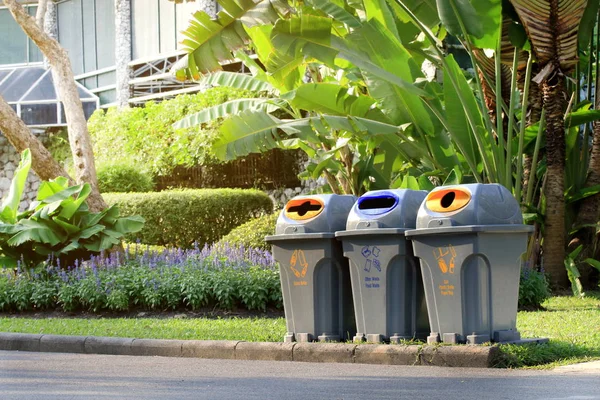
{"points": [[447, 200], [303, 209]]}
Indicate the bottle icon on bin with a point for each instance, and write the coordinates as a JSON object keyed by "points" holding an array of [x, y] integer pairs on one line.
{"points": [[445, 257]]}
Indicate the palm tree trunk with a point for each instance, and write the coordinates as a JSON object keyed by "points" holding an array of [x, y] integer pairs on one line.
{"points": [[554, 237]]}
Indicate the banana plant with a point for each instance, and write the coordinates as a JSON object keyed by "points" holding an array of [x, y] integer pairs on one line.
{"points": [[317, 117], [58, 224]]}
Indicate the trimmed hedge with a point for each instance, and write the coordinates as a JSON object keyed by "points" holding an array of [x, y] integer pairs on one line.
{"points": [[252, 233], [123, 178], [180, 218]]}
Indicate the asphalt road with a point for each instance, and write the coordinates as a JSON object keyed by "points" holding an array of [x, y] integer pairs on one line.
{"points": [[78, 376]]}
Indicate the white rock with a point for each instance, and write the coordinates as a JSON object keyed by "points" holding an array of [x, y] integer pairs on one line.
{"points": [[4, 184]]}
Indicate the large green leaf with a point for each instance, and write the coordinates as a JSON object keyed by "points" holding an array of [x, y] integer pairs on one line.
{"points": [[311, 36], [588, 21], [226, 109], [581, 117], [210, 41], [329, 98], [336, 12], [245, 133], [236, 80], [481, 19], [257, 131], [29, 230], [49, 188], [460, 129], [382, 48], [425, 10], [10, 205], [552, 28], [71, 205], [130, 224]]}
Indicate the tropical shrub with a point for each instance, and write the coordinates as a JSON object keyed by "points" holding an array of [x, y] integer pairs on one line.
{"points": [[119, 178], [252, 233], [181, 218], [533, 289], [58, 224], [143, 136], [224, 278]]}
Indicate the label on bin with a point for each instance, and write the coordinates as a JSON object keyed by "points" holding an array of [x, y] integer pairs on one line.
{"points": [[445, 257], [299, 267], [372, 265], [446, 288]]}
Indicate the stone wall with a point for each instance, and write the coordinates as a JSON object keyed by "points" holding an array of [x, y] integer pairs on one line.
{"points": [[9, 161]]}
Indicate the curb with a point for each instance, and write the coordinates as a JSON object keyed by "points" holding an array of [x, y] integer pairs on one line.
{"points": [[444, 356]]}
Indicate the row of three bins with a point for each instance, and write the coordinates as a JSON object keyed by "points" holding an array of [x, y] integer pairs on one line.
{"points": [[398, 265]]}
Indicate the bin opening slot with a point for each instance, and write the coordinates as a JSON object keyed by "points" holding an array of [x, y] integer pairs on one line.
{"points": [[377, 202], [303, 208], [447, 200]]}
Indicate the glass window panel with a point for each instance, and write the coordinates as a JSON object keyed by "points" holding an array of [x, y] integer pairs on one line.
{"points": [[88, 108], [43, 90], [70, 32], [109, 78], [4, 74], [144, 28], [105, 32], [39, 114], [168, 34], [89, 35], [110, 96], [19, 82], [84, 93], [35, 55], [13, 41]]}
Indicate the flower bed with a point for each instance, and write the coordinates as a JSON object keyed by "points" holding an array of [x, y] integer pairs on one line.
{"points": [[223, 277]]}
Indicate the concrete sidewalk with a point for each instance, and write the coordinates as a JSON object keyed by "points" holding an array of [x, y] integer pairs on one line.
{"points": [[446, 356]]}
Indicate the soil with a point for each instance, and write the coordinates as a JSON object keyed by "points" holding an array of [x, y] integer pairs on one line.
{"points": [[178, 314]]}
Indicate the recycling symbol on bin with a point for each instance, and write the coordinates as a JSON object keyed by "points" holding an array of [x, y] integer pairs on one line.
{"points": [[445, 257], [371, 254], [298, 258]]}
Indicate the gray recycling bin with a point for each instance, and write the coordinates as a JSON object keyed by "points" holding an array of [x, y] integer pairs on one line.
{"points": [[470, 239], [315, 280], [387, 287]]}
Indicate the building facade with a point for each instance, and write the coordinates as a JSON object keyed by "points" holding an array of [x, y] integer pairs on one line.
{"points": [[121, 50]]}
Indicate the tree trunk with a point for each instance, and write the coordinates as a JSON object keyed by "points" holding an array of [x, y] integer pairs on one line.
{"points": [[19, 135], [123, 50], [79, 138], [554, 237]]}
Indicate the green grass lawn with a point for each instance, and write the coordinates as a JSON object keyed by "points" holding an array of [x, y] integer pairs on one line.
{"points": [[248, 329], [571, 324]]}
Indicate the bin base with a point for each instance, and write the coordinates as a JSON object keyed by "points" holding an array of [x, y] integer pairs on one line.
{"points": [[359, 338], [329, 338], [506, 336], [478, 339], [289, 337], [374, 338], [396, 339], [455, 338]]}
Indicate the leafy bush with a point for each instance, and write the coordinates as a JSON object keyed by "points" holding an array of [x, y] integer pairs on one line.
{"points": [[222, 277], [252, 233], [180, 218], [144, 136], [57, 225], [123, 178], [533, 289]]}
